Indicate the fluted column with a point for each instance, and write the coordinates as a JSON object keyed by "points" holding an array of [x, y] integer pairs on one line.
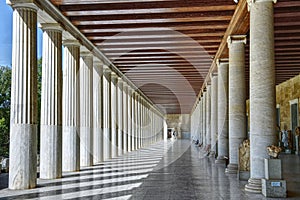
{"points": [[133, 118], [23, 111], [262, 89], [106, 114], [125, 117], [86, 104], [129, 118], [223, 145], [237, 99], [97, 112], [120, 126], [209, 138], [71, 147], [51, 103], [214, 112], [137, 121], [114, 118]]}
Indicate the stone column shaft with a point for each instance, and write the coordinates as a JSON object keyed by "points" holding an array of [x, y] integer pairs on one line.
{"points": [[129, 118], [86, 104], [23, 111], [204, 120], [133, 124], [223, 145], [237, 99], [107, 114], [209, 138], [120, 126], [201, 135], [214, 112], [51, 103], [97, 112], [71, 147], [114, 118], [125, 118], [262, 89]]}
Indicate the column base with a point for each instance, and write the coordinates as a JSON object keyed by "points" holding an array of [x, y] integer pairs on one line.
{"points": [[51, 152], [254, 186], [212, 154], [106, 144], [71, 149], [231, 169], [221, 161], [23, 156]]}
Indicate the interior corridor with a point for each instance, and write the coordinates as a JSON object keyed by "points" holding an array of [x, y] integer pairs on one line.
{"points": [[166, 170]]}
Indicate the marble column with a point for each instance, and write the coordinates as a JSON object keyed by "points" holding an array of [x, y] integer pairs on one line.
{"points": [[125, 117], [223, 145], [214, 112], [51, 103], [71, 117], [204, 120], [120, 126], [106, 114], [114, 118], [129, 118], [137, 121], [86, 109], [133, 124], [201, 135], [237, 99], [209, 139], [23, 111], [262, 89], [97, 112]]}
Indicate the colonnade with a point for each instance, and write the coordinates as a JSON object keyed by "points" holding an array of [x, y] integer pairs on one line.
{"points": [[229, 101], [89, 113]]}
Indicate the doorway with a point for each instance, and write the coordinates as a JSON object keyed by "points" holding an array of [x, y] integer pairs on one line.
{"points": [[294, 119]]}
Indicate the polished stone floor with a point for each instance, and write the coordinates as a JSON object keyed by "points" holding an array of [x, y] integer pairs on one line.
{"points": [[166, 170]]}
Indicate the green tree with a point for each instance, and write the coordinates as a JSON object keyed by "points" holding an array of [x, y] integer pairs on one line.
{"points": [[5, 89]]}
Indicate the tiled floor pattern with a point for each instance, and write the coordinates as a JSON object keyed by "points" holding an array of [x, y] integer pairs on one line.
{"points": [[166, 170]]}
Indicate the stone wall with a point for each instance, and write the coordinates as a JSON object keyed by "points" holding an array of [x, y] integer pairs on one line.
{"points": [[285, 92], [288, 90], [181, 124]]}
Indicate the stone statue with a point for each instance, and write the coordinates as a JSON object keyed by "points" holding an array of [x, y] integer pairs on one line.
{"points": [[244, 156], [273, 151]]}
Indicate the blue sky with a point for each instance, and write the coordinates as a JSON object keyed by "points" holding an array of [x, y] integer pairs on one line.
{"points": [[6, 35]]}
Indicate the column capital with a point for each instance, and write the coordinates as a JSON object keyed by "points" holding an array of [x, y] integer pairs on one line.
{"points": [[51, 27], [250, 2], [85, 54], [213, 74], [71, 43], [31, 4], [222, 61], [236, 39]]}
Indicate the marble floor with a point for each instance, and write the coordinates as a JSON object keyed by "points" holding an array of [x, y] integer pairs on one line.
{"points": [[166, 170]]}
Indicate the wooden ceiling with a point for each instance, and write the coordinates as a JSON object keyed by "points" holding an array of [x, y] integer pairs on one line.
{"points": [[167, 47]]}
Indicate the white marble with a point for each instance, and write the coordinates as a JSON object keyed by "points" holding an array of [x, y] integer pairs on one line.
{"points": [[129, 118], [223, 145], [97, 112], [133, 118], [125, 118], [209, 139], [237, 98], [214, 112], [86, 109], [71, 148], [120, 127], [23, 128], [262, 89], [51, 103], [106, 114], [114, 118]]}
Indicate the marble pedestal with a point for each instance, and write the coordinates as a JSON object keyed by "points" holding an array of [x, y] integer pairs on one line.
{"points": [[272, 184]]}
